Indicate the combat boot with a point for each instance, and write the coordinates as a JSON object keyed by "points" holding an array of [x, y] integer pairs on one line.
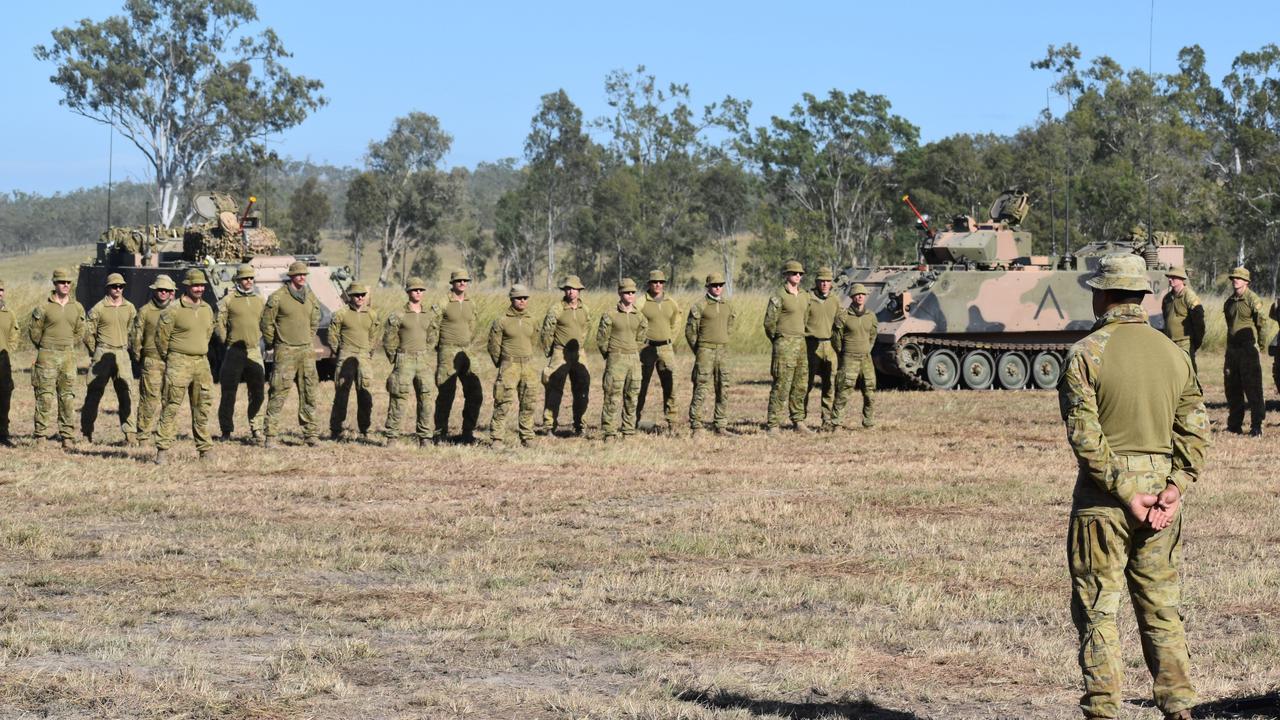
{"points": [[68, 445], [426, 442], [131, 441], [695, 433], [1255, 432], [161, 457], [205, 454], [1180, 715], [312, 442], [773, 432], [267, 442], [722, 432], [802, 429], [255, 436], [868, 423]]}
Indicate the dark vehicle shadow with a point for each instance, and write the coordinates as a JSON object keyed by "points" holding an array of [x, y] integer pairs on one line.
{"points": [[1253, 707], [844, 708]]}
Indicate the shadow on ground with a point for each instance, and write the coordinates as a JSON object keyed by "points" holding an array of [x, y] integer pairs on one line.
{"points": [[1254, 706], [848, 709]]}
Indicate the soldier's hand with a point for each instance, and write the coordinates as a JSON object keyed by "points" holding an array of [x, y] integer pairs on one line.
{"points": [[1140, 506], [1166, 508]]}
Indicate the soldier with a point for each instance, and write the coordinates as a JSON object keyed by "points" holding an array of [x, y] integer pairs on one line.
{"points": [[353, 334], [784, 322], [854, 334], [1275, 347], [659, 350], [8, 346], [183, 341], [511, 341], [151, 382], [289, 322], [619, 336], [407, 340], [107, 339], [239, 329], [454, 364], [1242, 370], [707, 330], [564, 336], [1183, 313], [1137, 424], [824, 305], [56, 325]]}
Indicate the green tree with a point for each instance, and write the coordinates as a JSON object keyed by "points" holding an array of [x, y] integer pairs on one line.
{"points": [[308, 212], [183, 80], [563, 164], [725, 195]]}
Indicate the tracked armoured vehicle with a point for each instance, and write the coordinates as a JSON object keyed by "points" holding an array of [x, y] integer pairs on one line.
{"points": [[223, 238], [980, 311]]}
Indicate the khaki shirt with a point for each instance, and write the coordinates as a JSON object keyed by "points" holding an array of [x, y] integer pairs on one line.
{"points": [[785, 314], [457, 321], [55, 326], [1246, 321], [710, 322], [1183, 318], [511, 336], [8, 329], [185, 328], [144, 329], [621, 331], [564, 323], [355, 331], [663, 317], [853, 333], [409, 331], [821, 315], [109, 325], [240, 319], [289, 319]]}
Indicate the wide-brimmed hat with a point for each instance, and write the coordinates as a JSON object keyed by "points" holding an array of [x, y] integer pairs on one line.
{"points": [[246, 272], [518, 291], [1241, 273], [1121, 272], [298, 268], [357, 289], [457, 275], [824, 273], [62, 275], [793, 266], [571, 281], [657, 276], [162, 282], [715, 278], [415, 283], [195, 277], [115, 279], [858, 289], [627, 285]]}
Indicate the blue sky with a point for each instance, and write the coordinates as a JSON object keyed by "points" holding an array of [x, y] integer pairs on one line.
{"points": [[481, 67]]}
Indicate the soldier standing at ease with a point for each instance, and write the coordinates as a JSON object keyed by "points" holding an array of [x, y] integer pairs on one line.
{"points": [[564, 336], [353, 334], [289, 322], [183, 341], [57, 324], [659, 351], [1242, 370], [619, 336], [454, 364], [8, 345], [854, 334], [1275, 362], [239, 329], [107, 339], [784, 321], [1183, 313], [1137, 424], [511, 342], [824, 305], [707, 330], [407, 340], [151, 383]]}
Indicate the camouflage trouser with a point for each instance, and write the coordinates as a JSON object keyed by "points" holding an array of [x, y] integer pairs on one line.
{"points": [[53, 378], [517, 379], [1275, 371], [851, 369], [621, 386], [454, 367], [663, 359], [354, 369], [710, 374], [822, 369], [1242, 376], [1106, 548], [790, 373], [565, 364], [294, 364], [6, 392], [109, 366], [150, 395], [239, 363], [186, 377], [410, 376]]}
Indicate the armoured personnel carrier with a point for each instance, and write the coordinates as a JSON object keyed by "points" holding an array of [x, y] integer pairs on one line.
{"points": [[980, 311], [223, 238]]}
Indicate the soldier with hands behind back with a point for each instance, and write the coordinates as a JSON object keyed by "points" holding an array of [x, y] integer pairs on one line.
{"points": [[619, 336], [854, 334], [8, 345], [182, 339], [239, 330], [454, 362], [1242, 367], [708, 330], [1183, 313], [410, 334], [824, 305], [107, 337], [151, 378], [659, 351], [784, 321], [354, 332], [1136, 421], [512, 338], [56, 327], [564, 339], [289, 323]]}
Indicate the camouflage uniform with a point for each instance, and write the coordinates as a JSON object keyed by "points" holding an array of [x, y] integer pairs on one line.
{"points": [[1275, 362], [455, 365], [619, 337], [658, 352], [183, 341], [511, 343], [151, 382], [1136, 422], [239, 329], [407, 340], [1183, 318], [820, 355], [289, 321], [784, 321], [8, 346], [564, 335], [353, 335], [1242, 368], [853, 336], [54, 331], [708, 330]]}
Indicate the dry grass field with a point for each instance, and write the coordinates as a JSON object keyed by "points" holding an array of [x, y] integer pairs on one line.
{"points": [[914, 570]]}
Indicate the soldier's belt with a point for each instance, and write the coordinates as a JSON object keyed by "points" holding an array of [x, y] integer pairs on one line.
{"points": [[105, 346], [706, 344], [657, 343], [287, 346], [184, 354], [818, 339], [521, 359], [56, 346], [1157, 461]]}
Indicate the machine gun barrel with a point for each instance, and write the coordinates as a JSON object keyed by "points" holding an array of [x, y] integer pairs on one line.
{"points": [[928, 231]]}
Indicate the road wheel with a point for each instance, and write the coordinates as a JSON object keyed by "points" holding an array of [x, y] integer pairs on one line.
{"points": [[1046, 368], [1012, 371], [979, 369], [942, 369]]}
